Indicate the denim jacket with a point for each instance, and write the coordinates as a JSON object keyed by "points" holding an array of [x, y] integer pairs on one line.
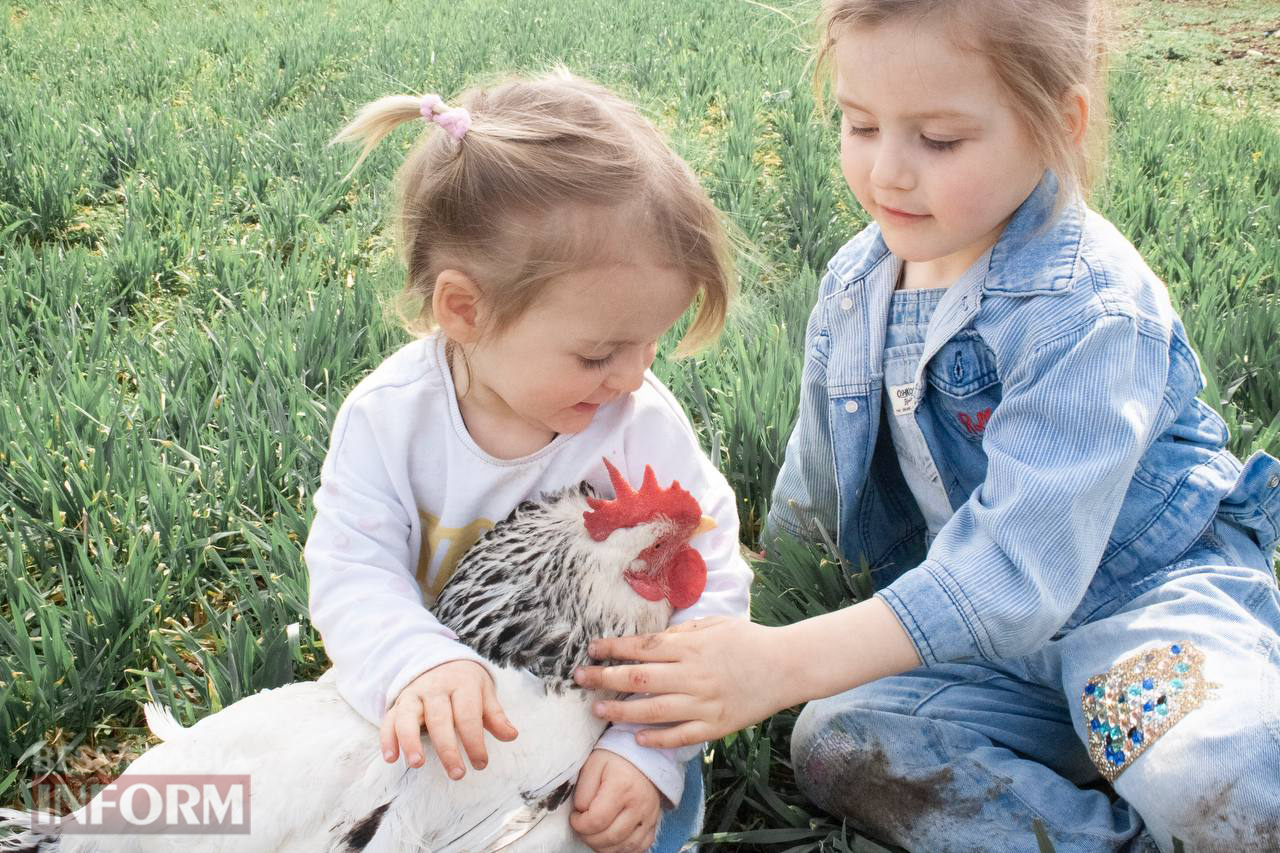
{"points": [[1057, 396]]}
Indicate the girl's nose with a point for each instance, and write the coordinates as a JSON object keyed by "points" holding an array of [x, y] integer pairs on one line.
{"points": [[891, 169], [628, 375]]}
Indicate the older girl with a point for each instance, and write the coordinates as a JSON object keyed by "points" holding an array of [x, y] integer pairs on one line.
{"points": [[1076, 618]]}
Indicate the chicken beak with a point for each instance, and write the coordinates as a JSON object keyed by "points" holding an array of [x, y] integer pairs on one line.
{"points": [[707, 523]]}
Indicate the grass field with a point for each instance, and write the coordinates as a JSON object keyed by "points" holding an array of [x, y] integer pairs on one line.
{"points": [[188, 289]]}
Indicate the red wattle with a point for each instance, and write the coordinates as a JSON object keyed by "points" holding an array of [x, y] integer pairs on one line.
{"points": [[686, 578]]}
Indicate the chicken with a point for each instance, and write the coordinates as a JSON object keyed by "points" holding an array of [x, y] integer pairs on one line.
{"points": [[528, 597]]}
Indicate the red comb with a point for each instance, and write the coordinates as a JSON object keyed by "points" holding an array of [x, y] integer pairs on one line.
{"points": [[631, 507]]}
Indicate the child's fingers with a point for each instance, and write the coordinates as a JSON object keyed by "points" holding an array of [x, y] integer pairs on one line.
{"points": [[443, 737], [468, 714], [387, 736], [685, 734], [495, 719], [585, 789], [614, 832], [407, 724]]}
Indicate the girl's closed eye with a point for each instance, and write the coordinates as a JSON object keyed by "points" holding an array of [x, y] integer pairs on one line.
{"points": [[595, 363], [939, 144], [856, 130]]}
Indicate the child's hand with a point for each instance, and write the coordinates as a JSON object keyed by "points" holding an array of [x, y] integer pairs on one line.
{"points": [[456, 700], [712, 676], [616, 807], [716, 675]]}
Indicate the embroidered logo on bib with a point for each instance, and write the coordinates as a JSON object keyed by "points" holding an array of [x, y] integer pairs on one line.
{"points": [[903, 398], [976, 423]]}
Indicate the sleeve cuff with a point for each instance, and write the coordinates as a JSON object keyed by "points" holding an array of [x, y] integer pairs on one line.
{"points": [[940, 619], [664, 767]]}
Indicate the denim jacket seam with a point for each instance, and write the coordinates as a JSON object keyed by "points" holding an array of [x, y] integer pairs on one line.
{"points": [[1169, 494], [964, 607], [1078, 330], [1098, 277], [915, 629]]}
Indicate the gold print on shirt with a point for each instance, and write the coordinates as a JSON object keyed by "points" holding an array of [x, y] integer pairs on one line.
{"points": [[458, 540]]}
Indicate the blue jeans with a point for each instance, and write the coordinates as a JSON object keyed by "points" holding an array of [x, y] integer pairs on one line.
{"points": [[685, 821], [1170, 692]]}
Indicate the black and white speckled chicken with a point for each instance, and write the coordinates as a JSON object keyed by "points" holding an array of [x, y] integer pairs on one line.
{"points": [[528, 597]]}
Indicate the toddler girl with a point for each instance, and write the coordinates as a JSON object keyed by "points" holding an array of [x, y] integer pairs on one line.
{"points": [[1076, 620], [551, 237]]}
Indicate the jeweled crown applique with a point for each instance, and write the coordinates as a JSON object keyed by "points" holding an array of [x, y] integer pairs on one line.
{"points": [[1136, 701]]}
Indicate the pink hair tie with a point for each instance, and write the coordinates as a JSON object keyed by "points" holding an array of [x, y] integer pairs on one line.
{"points": [[456, 120]]}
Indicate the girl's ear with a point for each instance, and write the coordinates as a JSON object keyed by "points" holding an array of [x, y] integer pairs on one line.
{"points": [[456, 306], [1075, 109]]}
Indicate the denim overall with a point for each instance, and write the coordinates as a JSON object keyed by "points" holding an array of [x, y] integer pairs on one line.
{"points": [[685, 820], [1098, 617]]}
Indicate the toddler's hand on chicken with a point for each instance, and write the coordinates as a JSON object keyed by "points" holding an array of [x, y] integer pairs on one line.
{"points": [[616, 807], [456, 701]]}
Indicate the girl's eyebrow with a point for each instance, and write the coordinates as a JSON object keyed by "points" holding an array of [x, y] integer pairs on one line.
{"points": [[923, 114]]}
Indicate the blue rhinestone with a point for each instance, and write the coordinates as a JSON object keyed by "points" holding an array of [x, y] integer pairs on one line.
{"points": [[1148, 707], [1181, 667], [1176, 683], [1117, 757], [1136, 736], [1116, 734], [1089, 689], [1094, 724], [1162, 710], [1176, 649], [1147, 684], [1120, 698], [1134, 690]]}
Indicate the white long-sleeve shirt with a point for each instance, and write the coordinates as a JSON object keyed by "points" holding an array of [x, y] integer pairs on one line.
{"points": [[405, 492]]}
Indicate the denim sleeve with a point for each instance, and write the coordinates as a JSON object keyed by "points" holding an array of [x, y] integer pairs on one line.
{"points": [[1013, 562], [805, 490]]}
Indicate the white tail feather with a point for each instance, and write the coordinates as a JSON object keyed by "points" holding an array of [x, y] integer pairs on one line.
{"points": [[32, 839], [161, 721]]}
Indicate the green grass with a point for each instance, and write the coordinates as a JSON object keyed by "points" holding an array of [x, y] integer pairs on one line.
{"points": [[188, 290]]}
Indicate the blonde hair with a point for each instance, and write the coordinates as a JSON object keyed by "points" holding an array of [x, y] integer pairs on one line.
{"points": [[1039, 50], [556, 174]]}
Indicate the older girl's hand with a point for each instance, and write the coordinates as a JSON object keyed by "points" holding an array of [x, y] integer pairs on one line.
{"points": [[711, 676]]}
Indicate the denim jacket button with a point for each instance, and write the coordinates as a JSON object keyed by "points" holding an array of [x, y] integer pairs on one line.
{"points": [[1274, 481], [851, 406], [846, 304]]}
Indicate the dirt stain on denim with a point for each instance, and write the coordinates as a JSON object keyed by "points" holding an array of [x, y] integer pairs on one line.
{"points": [[873, 794], [1211, 826]]}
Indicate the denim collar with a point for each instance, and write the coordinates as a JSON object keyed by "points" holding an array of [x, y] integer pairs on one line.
{"points": [[1033, 254]]}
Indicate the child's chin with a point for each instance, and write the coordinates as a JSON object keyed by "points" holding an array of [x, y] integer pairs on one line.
{"points": [[575, 420], [913, 251]]}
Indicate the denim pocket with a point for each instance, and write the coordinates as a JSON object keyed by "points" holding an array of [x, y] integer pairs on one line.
{"points": [[1254, 501], [964, 366], [964, 389]]}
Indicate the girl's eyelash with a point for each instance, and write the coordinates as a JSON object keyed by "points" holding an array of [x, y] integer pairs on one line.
{"points": [[940, 144], [932, 144], [597, 363]]}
